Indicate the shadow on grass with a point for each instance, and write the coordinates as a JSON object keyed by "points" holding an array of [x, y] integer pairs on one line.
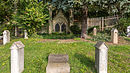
{"points": [[86, 61]]}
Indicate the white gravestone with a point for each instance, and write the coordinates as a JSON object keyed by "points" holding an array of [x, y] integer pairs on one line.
{"points": [[114, 36], [6, 37], [128, 31], [94, 31], [17, 57], [58, 64], [25, 34], [101, 57]]}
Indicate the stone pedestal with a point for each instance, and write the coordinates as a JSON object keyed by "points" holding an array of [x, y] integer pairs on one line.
{"points": [[101, 57], [94, 31], [128, 31], [6, 37], [114, 36], [58, 64], [25, 34], [17, 57]]}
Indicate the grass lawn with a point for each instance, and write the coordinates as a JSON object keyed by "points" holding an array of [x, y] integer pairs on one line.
{"points": [[81, 56]]}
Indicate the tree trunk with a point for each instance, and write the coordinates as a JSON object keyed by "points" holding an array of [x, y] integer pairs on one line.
{"points": [[71, 17], [16, 31], [50, 20], [15, 12], [84, 22]]}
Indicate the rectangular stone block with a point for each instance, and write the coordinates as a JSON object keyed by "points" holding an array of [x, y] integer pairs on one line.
{"points": [[58, 64], [58, 58]]}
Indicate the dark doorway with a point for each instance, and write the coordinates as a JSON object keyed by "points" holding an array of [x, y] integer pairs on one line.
{"points": [[57, 27], [63, 28]]}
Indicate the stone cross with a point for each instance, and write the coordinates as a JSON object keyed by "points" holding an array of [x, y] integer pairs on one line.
{"points": [[128, 31], [58, 64], [101, 57], [17, 57], [114, 36], [94, 31], [6, 37], [25, 34]]}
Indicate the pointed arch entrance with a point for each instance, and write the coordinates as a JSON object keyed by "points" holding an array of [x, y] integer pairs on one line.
{"points": [[60, 23]]}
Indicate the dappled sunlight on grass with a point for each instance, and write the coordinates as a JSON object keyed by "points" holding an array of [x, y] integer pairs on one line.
{"points": [[81, 56]]}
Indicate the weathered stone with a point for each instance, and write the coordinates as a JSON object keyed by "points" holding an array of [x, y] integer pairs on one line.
{"points": [[17, 57], [94, 31], [128, 31], [6, 37], [114, 36], [58, 58], [101, 56], [25, 34], [58, 64]]}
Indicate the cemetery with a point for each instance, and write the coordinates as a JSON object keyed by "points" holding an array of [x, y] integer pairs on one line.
{"points": [[64, 36]]}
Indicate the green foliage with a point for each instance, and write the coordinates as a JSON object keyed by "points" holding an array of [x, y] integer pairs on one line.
{"points": [[35, 35], [77, 39], [101, 37], [127, 38], [75, 29], [58, 36], [122, 25], [5, 14], [33, 17]]}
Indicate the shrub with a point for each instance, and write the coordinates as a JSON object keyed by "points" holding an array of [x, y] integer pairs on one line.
{"points": [[75, 29], [122, 25], [101, 37]]}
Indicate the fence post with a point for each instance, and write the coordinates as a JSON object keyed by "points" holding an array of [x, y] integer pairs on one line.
{"points": [[17, 57], [101, 57]]}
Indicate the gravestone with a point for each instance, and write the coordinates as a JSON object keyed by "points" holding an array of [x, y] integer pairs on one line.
{"points": [[17, 57], [6, 37], [58, 64], [25, 34], [114, 36], [94, 31], [128, 31], [101, 57]]}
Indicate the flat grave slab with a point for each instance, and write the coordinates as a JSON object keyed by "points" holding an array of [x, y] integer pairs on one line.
{"points": [[58, 64]]}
